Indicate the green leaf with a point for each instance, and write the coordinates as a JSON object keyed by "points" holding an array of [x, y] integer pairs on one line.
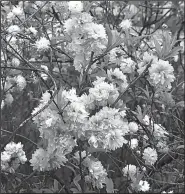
{"points": [[55, 185], [109, 34], [174, 52], [87, 6], [173, 41], [109, 185], [181, 104], [67, 37], [114, 38], [14, 72], [92, 150], [76, 180], [146, 92], [166, 44], [74, 190], [157, 47], [180, 147]]}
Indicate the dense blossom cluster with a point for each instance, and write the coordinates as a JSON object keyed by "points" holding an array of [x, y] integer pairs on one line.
{"points": [[12, 156], [97, 173], [11, 85], [133, 173], [77, 116]]}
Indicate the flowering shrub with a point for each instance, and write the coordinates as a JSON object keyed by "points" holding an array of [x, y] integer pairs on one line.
{"points": [[93, 90]]}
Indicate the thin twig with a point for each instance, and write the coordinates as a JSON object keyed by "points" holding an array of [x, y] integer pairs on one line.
{"points": [[132, 83], [44, 107], [19, 136], [32, 15], [24, 180]]}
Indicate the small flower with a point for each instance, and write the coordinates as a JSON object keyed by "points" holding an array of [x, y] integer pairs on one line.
{"points": [[133, 127], [14, 29], [95, 30], [77, 156], [21, 82], [12, 157], [42, 44], [15, 62], [167, 192], [117, 74], [75, 6], [45, 97], [8, 99], [10, 16], [150, 156], [97, 173], [17, 11], [44, 67], [2, 104], [146, 119], [161, 73], [162, 147], [32, 30], [133, 143], [158, 131], [127, 65], [125, 24], [93, 141], [44, 76], [130, 170], [143, 186]]}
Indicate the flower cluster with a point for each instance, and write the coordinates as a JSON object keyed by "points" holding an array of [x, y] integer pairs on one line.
{"points": [[127, 65], [12, 157], [54, 155], [161, 74], [111, 59], [130, 170], [12, 84], [16, 11], [108, 129], [103, 93], [86, 35], [159, 133], [97, 174], [133, 173]]}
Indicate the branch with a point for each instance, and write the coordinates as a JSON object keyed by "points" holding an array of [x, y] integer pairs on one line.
{"points": [[44, 107], [132, 83], [20, 136], [33, 14], [19, 186]]}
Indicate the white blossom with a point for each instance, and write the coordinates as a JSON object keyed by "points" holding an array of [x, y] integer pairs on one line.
{"points": [[161, 73], [32, 30], [8, 99], [12, 152], [133, 143], [126, 24], [17, 11], [150, 156], [133, 127], [75, 6], [42, 44], [15, 62], [14, 29], [21, 82], [143, 186]]}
